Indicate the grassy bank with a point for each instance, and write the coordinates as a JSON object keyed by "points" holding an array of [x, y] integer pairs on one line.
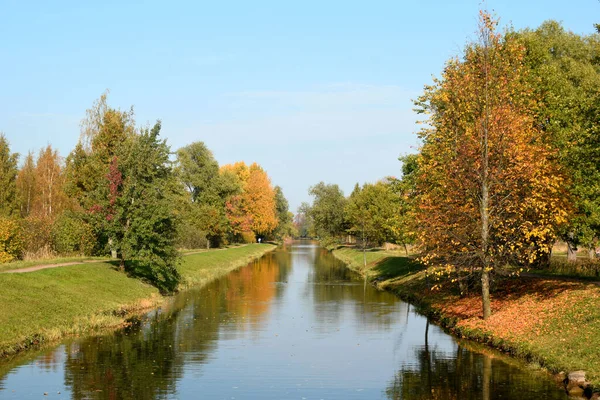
{"points": [[552, 323], [44, 306]]}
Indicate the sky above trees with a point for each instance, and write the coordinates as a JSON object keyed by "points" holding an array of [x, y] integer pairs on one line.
{"points": [[309, 90]]}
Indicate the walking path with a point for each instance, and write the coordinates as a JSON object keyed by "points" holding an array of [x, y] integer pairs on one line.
{"points": [[66, 264], [46, 266]]}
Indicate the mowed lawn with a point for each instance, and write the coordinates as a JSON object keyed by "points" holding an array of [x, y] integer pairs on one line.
{"points": [[43, 306]]}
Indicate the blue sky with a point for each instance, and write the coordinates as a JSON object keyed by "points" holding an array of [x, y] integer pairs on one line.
{"points": [[311, 90]]}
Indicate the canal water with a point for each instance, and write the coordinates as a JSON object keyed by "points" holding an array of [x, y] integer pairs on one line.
{"points": [[295, 324]]}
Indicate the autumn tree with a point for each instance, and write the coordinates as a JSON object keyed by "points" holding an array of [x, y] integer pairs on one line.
{"points": [[488, 190], [50, 199], [11, 239], [236, 207], [260, 198], [105, 133], [26, 185], [8, 179], [253, 209]]}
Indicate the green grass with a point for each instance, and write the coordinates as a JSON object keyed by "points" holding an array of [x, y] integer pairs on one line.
{"points": [[381, 264], [43, 306], [201, 268]]}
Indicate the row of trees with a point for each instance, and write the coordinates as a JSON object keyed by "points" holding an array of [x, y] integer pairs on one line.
{"points": [[373, 214], [509, 161], [122, 192]]}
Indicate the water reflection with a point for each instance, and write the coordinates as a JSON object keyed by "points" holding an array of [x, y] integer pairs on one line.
{"points": [[467, 375], [294, 324]]}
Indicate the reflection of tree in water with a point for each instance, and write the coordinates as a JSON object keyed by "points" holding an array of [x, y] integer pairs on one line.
{"points": [[144, 362], [333, 285], [466, 375], [134, 364], [283, 258], [251, 290]]}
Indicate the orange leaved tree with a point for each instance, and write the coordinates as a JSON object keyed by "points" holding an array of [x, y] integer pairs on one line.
{"points": [[489, 192], [254, 208]]}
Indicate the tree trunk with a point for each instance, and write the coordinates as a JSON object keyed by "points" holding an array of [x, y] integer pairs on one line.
{"points": [[571, 252], [122, 263], [485, 293], [364, 247], [485, 195], [113, 251]]}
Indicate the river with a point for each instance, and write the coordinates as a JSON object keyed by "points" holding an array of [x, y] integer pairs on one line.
{"points": [[295, 324]]}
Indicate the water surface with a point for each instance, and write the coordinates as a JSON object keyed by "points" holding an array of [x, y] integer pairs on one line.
{"points": [[295, 324]]}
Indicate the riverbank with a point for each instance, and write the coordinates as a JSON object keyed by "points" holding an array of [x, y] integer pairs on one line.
{"points": [[550, 323], [44, 306]]}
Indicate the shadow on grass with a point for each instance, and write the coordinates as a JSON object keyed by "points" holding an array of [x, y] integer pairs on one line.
{"points": [[163, 277], [397, 266], [514, 288], [507, 288]]}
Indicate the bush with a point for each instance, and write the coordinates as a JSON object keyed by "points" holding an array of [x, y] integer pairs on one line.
{"points": [[37, 237], [581, 267], [72, 235], [156, 271], [11, 241], [190, 237], [248, 237]]}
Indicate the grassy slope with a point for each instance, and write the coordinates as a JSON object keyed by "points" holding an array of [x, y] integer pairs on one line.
{"points": [[45, 305], [552, 323]]}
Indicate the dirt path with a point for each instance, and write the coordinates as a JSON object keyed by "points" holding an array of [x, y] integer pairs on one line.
{"points": [[46, 266], [66, 264]]}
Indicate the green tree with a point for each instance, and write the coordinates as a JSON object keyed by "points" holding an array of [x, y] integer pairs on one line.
{"points": [[9, 205], [327, 212], [285, 227], [373, 214], [303, 222], [207, 192], [26, 185], [142, 189], [565, 74]]}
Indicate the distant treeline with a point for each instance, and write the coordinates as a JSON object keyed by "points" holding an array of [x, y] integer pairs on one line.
{"points": [[122, 192], [509, 162]]}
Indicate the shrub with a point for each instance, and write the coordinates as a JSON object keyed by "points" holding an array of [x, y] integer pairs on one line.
{"points": [[11, 241], [156, 271], [248, 237], [190, 237], [72, 235], [37, 237]]}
